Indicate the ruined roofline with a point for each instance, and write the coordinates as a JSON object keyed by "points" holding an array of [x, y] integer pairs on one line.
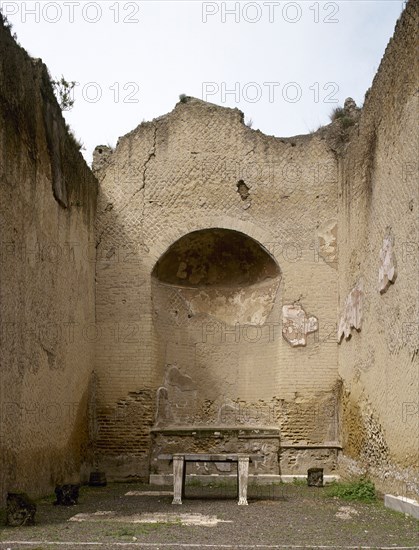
{"points": [[335, 135], [190, 101], [194, 101], [330, 131]]}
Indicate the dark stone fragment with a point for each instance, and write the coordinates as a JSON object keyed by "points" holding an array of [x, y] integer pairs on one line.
{"points": [[20, 510], [315, 477], [67, 495]]}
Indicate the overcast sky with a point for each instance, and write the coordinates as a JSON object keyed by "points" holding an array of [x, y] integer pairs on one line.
{"points": [[284, 64]]}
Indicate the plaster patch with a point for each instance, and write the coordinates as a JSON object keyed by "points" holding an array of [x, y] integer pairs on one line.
{"points": [[387, 272], [250, 305], [352, 313], [327, 235], [296, 324]]}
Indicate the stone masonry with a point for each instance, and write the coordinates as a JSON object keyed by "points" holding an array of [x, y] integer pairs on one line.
{"points": [[208, 288]]}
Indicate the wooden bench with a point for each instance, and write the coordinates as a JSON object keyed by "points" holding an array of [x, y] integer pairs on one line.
{"points": [[179, 471]]}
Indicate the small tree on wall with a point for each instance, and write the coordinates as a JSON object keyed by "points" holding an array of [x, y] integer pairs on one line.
{"points": [[8, 25], [64, 92]]}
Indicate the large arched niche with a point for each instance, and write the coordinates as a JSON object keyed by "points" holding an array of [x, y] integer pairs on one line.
{"points": [[217, 258], [221, 273], [214, 294]]}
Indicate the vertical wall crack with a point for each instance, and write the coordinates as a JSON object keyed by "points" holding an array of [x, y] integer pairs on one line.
{"points": [[150, 156]]}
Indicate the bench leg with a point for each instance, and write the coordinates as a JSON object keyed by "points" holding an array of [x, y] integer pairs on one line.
{"points": [[243, 475], [178, 479], [183, 479]]}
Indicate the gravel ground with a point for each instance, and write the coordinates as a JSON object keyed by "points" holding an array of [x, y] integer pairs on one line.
{"points": [[286, 516]]}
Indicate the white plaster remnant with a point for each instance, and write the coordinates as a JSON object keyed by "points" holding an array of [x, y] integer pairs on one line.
{"points": [[183, 519], [327, 235], [387, 272], [296, 324], [250, 305], [346, 512], [352, 313]]}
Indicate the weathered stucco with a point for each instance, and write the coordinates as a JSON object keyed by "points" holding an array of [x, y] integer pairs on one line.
{"points": [[378, 230], [219, 330], [48, 201], [211, 265], [233, 292]]}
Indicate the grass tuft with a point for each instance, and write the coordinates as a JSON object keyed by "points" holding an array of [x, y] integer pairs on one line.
{"points": [[362, 490]]}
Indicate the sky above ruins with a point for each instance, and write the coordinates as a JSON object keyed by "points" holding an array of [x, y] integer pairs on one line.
{"points": [[286, 65]]}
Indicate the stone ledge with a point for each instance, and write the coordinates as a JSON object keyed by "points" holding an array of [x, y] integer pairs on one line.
{"points": [[402, 504], [272, 431], [260, 479]]}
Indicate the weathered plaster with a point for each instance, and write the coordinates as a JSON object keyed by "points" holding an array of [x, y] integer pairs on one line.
{"points": [[387, 272], [296, 324], [351, 316], [327, 235]]}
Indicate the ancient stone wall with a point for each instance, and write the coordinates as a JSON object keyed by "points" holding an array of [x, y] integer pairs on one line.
{"points": [[48, 201], [378, 274], [252, 293], [191, 337]]}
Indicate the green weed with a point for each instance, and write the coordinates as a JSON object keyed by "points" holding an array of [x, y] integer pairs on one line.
{"points": [[362, 490]]}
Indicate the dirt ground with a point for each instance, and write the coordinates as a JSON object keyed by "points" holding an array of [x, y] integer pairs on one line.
{"points": [[285, 516]]}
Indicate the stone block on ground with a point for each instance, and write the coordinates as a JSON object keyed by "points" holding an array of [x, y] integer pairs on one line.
{"points": [[402, 504], [315, 477], [67, 495], [20, 510]]}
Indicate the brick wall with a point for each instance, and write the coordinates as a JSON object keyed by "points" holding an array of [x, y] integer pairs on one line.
{"points": [[179, 174]]}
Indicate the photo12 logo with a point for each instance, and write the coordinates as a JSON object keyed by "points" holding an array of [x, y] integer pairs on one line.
{"points": [[92, 92], [71, 12], [54, 334], [410, 253], [48, 412], [270, 12], [270, 92], [411, 334], [410, 412]]}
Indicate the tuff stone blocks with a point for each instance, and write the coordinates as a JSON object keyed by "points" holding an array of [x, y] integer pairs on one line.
{"points": [[48, 206], [159, 313]]}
